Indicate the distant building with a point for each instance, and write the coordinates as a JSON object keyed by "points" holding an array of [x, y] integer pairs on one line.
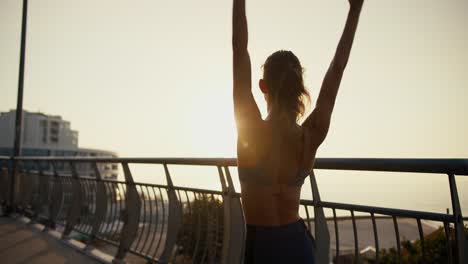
{"points": [[49, 135]]}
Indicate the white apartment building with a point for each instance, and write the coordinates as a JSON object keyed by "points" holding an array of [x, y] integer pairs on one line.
{"points": [[50, 135], [39, 131]]}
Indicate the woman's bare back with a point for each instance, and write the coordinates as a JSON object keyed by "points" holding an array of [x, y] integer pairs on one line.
{"points": [[271, 166]]}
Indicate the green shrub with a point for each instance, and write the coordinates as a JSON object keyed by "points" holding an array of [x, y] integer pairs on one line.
{"points": [[435, 246]]}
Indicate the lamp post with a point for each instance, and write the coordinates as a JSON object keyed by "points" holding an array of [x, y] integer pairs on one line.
{"points": [[19, 108]]}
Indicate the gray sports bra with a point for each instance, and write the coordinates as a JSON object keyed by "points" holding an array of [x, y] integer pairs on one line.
{"points": [[256, 175]]}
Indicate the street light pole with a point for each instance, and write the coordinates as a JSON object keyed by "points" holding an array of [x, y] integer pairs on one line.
{"points": [[19, 108]]}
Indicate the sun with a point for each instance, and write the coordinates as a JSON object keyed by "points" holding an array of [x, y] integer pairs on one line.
{"points": [[214, 133]]}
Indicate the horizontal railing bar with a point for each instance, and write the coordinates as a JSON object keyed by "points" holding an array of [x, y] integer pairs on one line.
{"points": [[206, 191], [197, 190], [358, 217], [445, 166], [384, 211], [172, 161]]}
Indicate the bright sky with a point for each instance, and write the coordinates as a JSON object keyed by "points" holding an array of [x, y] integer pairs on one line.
{"points": [[154, 78]]}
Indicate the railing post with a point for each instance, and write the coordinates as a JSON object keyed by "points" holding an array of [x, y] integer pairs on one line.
{"points": [[234, 224], [131, 216], [25, 187], [226, 217], [15, 193], [174, 219], [101, 204], [5, 187], [11, 205], [73, 214], [43, 191], [322, 234], [19, 187], [35, 203], [462, 244], [56, 197], [3, 183]]}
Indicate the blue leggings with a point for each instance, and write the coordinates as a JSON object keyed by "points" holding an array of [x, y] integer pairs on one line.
{"points": [[291, 243]]}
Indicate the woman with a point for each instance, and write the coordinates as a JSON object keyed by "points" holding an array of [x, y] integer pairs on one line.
{"points": [[275, 155]]}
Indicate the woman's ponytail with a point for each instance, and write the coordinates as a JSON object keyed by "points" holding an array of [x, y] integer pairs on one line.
{"points": [[283, 75]]}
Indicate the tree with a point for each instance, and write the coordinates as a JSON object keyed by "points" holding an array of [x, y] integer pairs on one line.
{"points": [[201, 237]]}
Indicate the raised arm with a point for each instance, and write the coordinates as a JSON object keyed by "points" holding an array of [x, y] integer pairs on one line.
{"points": [[319, 119], [245, 108]]}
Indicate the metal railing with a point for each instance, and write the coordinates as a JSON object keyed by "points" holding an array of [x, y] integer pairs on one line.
{"points": [[167, 223]]}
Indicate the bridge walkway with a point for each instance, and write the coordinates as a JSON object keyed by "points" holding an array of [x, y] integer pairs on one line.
{"points": [[23, 243]]}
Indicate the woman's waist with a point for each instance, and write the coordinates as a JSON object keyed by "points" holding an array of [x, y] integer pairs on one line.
{"points": [[270, 217], [270, 191], [263, 206]]}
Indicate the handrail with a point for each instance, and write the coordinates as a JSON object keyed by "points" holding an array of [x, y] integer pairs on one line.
{"points": [[384, 210], [445, 166]]}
